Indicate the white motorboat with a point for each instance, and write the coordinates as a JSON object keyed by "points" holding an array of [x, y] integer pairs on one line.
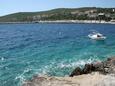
{"points": [[96, 36]]}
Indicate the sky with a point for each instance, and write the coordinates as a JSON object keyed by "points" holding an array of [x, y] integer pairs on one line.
{"points": [[13, 6]]}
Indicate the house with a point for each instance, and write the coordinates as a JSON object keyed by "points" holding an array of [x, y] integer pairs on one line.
{"points": [[92, 15]]}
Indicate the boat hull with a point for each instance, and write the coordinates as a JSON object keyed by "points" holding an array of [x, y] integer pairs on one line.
{"points": [[96, 38]]}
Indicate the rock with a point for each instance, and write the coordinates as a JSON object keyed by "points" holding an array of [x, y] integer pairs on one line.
{"points": [[110, 62], [101, 77], [95, 79], [99, 66], [111, 58], [77, 71], [105, 67], [88, 68]]}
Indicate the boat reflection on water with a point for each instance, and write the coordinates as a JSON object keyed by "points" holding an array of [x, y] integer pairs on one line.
{"points": [[99, 42]]}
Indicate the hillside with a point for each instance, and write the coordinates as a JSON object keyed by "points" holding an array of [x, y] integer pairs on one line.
{"points": [[86, 13]]}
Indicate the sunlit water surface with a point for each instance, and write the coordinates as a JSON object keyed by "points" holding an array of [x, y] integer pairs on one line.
{"points": [[49, 49]]}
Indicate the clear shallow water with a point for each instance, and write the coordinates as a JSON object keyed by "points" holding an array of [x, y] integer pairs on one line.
{"points": [[52, 49]]}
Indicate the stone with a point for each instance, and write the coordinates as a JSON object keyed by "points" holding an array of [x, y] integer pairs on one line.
{"points": [[105, 67], [87, 69], [95, 74], [75, 72]]}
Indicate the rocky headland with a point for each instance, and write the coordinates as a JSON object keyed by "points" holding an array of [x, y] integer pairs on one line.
{"points": [[94, 74]]}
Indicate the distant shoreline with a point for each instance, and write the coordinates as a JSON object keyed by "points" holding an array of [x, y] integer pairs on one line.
{"points": [[63, 21]]}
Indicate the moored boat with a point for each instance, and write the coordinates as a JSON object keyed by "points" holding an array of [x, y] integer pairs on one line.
{"points": [[96, 36]]}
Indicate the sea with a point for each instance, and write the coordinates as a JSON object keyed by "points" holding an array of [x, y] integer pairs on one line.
{"points": [[27, 50]]}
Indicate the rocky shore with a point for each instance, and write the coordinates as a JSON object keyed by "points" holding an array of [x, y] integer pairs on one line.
{"points": [[94, 74]]}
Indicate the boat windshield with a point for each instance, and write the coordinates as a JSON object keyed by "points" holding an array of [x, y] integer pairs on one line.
{"points": [[98, 35]]}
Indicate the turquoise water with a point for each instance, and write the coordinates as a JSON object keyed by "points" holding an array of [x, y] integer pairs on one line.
{"points": [[49, 49]]}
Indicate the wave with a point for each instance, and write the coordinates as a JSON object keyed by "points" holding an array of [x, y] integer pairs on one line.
{"points": [[22, 77], [75, 64], [53, 69], [61, 67], [2, 58]]}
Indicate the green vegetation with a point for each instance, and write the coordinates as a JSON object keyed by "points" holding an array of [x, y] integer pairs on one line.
{"points": [[86, 13]]}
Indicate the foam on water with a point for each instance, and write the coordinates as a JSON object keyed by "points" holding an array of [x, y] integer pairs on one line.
{"points": [[46, 70], [21, 77], [77, 63]]}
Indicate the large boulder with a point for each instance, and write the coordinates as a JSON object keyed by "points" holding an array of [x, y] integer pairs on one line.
{"points": [[88, 68], [105, 67], [76, 72]]}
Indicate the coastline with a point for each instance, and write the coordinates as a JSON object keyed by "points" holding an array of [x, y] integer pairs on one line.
{"points": [[93, 79], [94, 74], [77, 21], [63, 22]]}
